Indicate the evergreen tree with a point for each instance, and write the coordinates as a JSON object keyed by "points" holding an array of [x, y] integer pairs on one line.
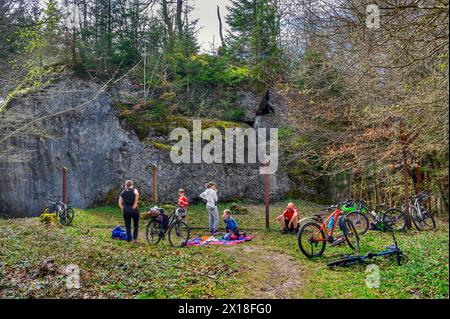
{"points": [[253, 36]]}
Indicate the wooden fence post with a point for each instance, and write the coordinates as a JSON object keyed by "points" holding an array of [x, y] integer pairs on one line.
{"points": [[427, 186], [64, 185], [154, 184], [266, 193]]}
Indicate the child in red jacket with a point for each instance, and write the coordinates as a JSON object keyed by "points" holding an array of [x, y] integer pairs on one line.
{"points": [[182, 201], [289, 219]]}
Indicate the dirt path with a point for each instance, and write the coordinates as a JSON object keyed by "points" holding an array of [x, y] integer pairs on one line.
{"points": [[270, 274]]}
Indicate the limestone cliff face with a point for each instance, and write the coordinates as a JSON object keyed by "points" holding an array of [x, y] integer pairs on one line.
{"points": [[100, 154]]}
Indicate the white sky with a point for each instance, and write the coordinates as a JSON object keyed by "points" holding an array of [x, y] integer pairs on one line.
{"points": [[206, 12]]}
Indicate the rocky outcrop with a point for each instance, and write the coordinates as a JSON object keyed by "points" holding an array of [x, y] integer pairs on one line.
{"points": [[100, 154]]}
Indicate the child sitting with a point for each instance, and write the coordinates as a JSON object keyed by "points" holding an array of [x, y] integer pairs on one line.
{"points": [[289, 219], [231, 224]]}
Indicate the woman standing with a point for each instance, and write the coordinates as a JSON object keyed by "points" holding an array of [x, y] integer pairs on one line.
{"points": [[210, 195], [128, 203]]}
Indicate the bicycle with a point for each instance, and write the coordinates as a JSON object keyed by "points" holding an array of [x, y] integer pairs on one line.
{"points": [[64, 211], [389, 251], [392, 216], [160, 224], [420, 217], [315, 234], [354, 212]]}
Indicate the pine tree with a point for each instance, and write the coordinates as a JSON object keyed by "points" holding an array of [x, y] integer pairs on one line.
{"points": [[253, 36]]}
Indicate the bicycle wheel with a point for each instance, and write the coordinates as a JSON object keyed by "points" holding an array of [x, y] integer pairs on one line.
{"points": [[154, 232], [395, 219], [360, 221], [428, 221], [179, 234], [415, 217], [311, 239], [66, 216], [351, 235]]}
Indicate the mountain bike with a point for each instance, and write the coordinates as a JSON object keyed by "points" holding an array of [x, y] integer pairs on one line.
{"points": [[353, 212], [314, 235], [160, 224], [64, 211], [421, 218], [391, 250], [380, 216]]}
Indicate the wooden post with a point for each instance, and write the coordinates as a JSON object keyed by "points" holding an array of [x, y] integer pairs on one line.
{"points": [[154, 185], [64, 185], [350, 185], [403, 140], [418, 178], [266, 193], [428, 189]]}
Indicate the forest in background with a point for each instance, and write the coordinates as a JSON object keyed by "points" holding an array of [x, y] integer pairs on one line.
{"points": [[358, 96]]}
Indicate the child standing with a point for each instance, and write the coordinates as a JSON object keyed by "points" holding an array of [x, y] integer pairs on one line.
{"points": [[182, 199], [210, 195]]}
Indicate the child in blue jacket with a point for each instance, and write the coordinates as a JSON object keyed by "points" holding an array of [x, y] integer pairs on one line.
{"points": [[230, 222]]}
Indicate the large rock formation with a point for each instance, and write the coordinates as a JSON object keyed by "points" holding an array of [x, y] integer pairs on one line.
{"points": [[100, 154]]}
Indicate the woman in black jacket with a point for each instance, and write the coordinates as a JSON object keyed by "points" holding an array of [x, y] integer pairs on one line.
{"points": [[128, 203]]}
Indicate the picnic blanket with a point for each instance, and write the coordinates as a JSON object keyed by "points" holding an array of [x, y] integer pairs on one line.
{"points": [[211, 240]]}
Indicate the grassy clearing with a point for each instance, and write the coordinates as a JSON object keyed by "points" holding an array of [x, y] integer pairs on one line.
{"points": [[269, 266]]}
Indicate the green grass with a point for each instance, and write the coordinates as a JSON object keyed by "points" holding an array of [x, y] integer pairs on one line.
{"points": [[116, 269]]}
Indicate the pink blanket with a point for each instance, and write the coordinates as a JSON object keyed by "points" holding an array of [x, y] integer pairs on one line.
{"points": [[206, 240]]}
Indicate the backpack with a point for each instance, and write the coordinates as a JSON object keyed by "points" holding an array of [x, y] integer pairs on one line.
{"points": [[119, 233]]}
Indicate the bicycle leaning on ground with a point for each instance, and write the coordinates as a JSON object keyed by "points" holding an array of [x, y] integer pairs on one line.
{"points": [[391, 250], [160, 224], [314, 235], [64, 211]]}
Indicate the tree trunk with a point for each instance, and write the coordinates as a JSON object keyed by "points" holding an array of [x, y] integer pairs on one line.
{"points": [[179, 20], [167, 19], [220, 27], [403, 140]]}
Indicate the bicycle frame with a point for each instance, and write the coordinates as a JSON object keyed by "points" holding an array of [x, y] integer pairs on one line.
{"points": [[324, 224], [171, 220], [375, 215], [417, 206]]}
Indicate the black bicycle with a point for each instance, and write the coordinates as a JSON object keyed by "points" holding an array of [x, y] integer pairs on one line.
{"points": [[64, 211], [391, 250], [381, 216], [160, 224]]}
